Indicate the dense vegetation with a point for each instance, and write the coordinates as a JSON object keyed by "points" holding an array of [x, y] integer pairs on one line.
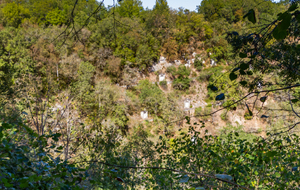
{"points": [[66, 122]]}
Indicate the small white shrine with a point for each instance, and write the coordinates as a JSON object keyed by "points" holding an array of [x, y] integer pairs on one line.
{"points": [[162, 59], [161, 77], [212, 62], [194, 140], [187, 103], [250, 67], [144, 114], [188, 63], [259, 85], [177, 62]]}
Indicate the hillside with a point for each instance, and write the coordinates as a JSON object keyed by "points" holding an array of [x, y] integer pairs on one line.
{"points": [[123, 97]]}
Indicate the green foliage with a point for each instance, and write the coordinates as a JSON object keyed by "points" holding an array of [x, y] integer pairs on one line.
{"points": [[14, 14], [198, 110], [247, 116], [203, 114], [251, 16], [26, 161], [172, 70], [230, 104], [129, 8], [181, 83], [183, 71], [281, 52], [86, 71], [38, 64], [233, 11], [163, 83], [198, 63], [150, 96], [56, 17], [224, 116], [231, 154], [133, 45], [203, 76], [239, 132], [161, 7], [190, 25], [280, 32], [222, 82], [120, 118], [194, 74]]}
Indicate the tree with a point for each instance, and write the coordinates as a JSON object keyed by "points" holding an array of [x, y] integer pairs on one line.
{"points": [[14, 14], [56, 17], [161, 7], [150, 96], [182, 81], [27, 161], [129, 8], [170, 49]]}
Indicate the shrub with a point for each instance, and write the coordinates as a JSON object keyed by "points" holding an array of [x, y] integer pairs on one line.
{"points": [[224, 116], [150, 96], [163, 83], [203, 76], [198, 111], [181, 83], [247, 116], [183, 71], [229, 103], [198, 64], [205, 111], [27, 162], [194, 74], [206, 74], [171, 70]]}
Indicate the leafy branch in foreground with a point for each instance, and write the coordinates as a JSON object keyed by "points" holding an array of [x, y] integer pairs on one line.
{"points": [[27, 163], [193, 160]]}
